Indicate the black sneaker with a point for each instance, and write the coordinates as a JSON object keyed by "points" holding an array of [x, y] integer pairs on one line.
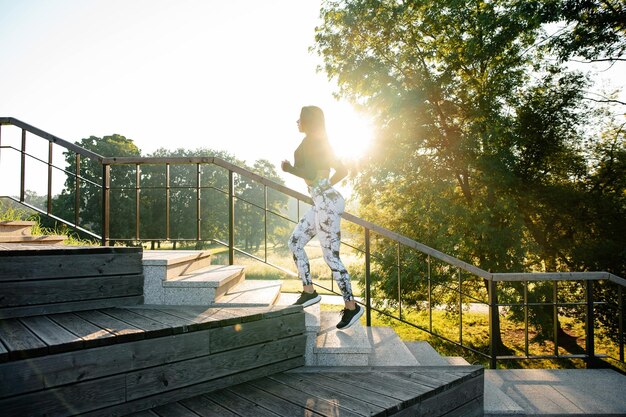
{"points": [[307, 299], [349, 317]]}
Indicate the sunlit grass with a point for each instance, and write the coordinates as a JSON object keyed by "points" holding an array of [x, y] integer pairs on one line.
{"points": [[476, 336]]}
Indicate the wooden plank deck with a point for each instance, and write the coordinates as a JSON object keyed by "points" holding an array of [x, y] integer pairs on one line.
{"points": [[115, 361], [342, 392], [58, 279]]}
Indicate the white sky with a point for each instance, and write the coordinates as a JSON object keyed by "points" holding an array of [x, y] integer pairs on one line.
{"points": [[227, 75]]}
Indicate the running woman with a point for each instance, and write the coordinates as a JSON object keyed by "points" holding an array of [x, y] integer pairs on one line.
{"points": [[313, 161]]}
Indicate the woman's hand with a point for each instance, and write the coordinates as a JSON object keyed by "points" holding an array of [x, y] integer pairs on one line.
{"points": [[286, 166]]}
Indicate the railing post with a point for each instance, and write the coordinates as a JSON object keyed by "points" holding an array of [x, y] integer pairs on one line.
{"points": [[167, 201], [398, 274], [23, 167], [493, 312], [368, 301], [265, 210], [430, 305], [198, 204], [137, 200], [555, 316], [526, 341], [620, 309], [460, 307], [106, 184], [49, 201], [590, 339], [77, 190], [231, 217]]}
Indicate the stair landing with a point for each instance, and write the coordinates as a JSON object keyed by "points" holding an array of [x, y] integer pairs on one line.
{"points": [[342, 391]]}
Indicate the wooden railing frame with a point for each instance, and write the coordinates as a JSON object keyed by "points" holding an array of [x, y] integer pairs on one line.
{"points": [[368, 227]]}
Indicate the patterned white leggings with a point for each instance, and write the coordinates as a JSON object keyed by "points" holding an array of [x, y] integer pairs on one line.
{"points": [[323, 220]]}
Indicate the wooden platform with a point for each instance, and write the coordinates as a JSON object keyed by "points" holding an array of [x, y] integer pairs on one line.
{"points": [[343, 392], [55, 279], [116, 361]]}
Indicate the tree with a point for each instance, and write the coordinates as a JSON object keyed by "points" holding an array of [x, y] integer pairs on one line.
{"points": [[481, 138], [214, 204], [592, 29]]}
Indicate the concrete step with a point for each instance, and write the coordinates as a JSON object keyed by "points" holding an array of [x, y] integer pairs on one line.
{"points": [[159, 266], [169, 264], [388, 349], [252, 293], [425, 354], [15, 228], [497, 403], [334, 347], [203, 286], [544, 392], [456, 360]]}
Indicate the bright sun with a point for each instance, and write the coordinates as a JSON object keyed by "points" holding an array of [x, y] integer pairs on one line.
{"points": [[350, 133]]}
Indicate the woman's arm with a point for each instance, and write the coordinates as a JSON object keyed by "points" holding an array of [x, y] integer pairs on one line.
{"points": [[340, 172], [297, 171]]}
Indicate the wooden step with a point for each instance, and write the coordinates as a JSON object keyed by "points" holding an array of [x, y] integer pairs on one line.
{"points": [[342, 391], [67, 278], [34, 240], [121, 360], [15, 228]]}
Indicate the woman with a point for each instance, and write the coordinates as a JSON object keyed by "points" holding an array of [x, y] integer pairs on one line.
{"points": [[313, 161]]}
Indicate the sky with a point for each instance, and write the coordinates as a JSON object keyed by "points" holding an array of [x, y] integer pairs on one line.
{"points": [[225, 75]]}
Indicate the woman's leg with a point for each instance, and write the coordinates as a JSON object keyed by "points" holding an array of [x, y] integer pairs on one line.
{"points": [[330, 205], [304, 231]]}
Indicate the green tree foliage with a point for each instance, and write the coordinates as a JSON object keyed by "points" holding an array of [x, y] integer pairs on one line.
{"points": [[182, 197], [90, 194], [592, 29], [484, 148]]}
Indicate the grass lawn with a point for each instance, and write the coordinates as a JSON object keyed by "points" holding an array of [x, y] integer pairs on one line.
{"points": [[476, 335]]}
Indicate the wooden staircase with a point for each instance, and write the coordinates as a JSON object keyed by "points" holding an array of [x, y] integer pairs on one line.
{"points": [[76, 338]]}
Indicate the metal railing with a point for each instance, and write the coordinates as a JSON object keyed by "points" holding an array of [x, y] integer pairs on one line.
{"points": [[390, 259]]}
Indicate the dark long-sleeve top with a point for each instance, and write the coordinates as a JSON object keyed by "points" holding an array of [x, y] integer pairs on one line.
{"points": [[314, 155]]}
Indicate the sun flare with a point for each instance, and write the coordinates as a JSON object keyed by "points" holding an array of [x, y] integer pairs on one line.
{"points": [[349, 132]]}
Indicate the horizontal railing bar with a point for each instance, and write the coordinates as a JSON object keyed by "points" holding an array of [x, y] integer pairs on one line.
{"points": [[50, 138], [550, 304], [558, 276], [58, 168], [157, 160], [570, 356]]}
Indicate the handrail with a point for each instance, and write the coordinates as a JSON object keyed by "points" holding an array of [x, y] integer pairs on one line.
{"points": [[50, 138], [558, 276], [292, 193]]}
